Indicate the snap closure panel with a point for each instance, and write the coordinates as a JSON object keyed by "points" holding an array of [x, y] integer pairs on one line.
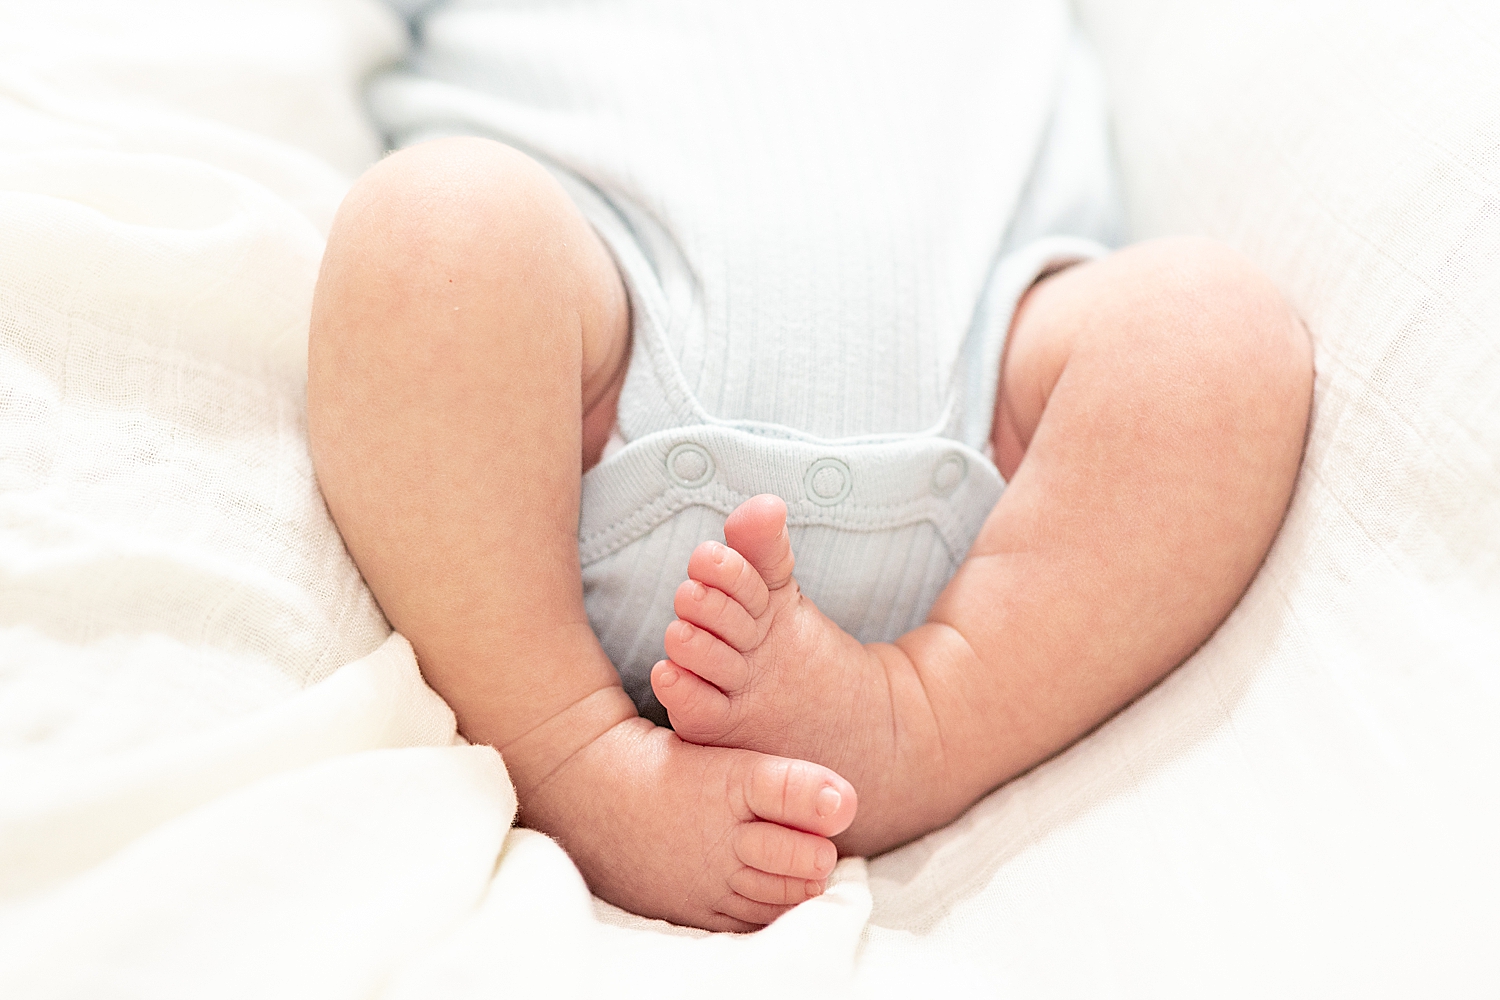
{"points": [[828, 481], [949, 473], [690, 465]]}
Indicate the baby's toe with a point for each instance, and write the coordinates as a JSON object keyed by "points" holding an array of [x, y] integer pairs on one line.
{"points": [[710, 608], [802, 795], [708, 656], [698, 710], [757, 530], [717, 565], [778, 850], [778, 890], [750, 913]]}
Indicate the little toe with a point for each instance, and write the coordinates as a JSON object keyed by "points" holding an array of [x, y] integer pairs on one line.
{"points": [[751, 912], [706, 655], [698, 710], [778, 890], [717, 565], [778, 850], [802, 795], [756, 529], [710, 608]]}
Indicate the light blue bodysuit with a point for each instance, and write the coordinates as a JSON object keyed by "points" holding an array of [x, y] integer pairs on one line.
{"points": [[824, 213]]}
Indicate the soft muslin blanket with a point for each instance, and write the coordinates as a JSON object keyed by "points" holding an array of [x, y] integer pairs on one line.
{"points": [[221, 775]]}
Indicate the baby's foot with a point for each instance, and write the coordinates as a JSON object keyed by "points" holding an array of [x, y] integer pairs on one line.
{"points": [[716, 838], [755, 665]]}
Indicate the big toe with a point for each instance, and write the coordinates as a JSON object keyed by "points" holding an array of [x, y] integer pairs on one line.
{"points": [[801, 795], [757, 530]]}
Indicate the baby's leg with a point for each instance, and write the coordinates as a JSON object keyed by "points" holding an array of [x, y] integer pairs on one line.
{"points": [[469, 340], [1150, 422]]}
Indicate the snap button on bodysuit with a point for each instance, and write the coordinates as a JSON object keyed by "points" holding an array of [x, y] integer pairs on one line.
{"points": [[690, 465], [948, 474], [828, 481]]}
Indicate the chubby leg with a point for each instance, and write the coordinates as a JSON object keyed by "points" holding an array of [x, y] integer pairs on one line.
{"points": [[469, 340], [1151, 418]]}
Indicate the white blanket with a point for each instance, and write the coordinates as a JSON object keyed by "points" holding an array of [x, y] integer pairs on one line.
{"points": [[221, 776]]}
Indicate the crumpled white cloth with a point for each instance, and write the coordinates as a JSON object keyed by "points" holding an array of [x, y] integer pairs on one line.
{"points": [[221, 775]]}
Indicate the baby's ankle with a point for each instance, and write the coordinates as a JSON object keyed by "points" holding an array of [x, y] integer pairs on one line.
{"points": [[536, 757]]}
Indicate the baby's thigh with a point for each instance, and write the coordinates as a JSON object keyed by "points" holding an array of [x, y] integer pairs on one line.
{"points": [[1152, 414], [1154, 408]]}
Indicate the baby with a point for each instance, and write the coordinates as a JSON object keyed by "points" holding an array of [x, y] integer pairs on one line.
{"points": [[803, 265]]}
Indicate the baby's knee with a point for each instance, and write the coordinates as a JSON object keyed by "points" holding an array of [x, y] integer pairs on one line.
{"points": [[472, 208], [1224, 314]]}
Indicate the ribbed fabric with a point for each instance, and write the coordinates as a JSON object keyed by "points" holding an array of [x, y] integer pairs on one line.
{"points": [[824, 213]]}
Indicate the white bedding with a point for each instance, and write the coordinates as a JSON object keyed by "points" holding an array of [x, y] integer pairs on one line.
{"points": [[220, 777]]}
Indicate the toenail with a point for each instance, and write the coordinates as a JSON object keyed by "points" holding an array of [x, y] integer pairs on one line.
{"points": [[814, 889], [667, 677], [718, 552], [827, 857], [698, 591], [828, 801], [684, 632]]}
